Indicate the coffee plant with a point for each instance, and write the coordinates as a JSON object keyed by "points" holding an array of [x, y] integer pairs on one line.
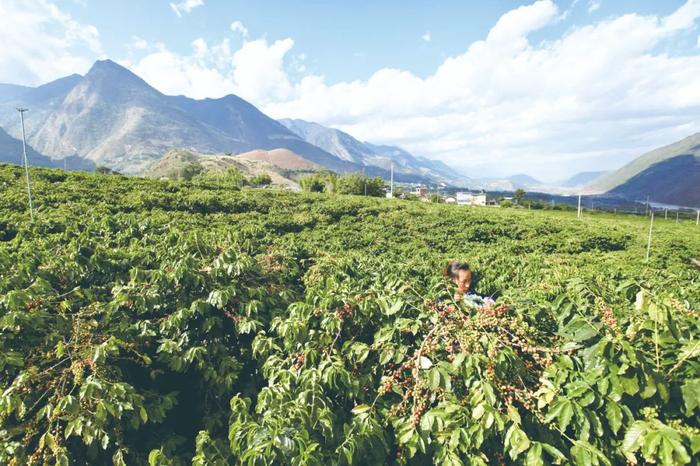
{"points": [[169, 323]]}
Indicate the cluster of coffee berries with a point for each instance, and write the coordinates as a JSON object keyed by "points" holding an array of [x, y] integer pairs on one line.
{"points": [[299, 360], [344, 312], [608, 319]]}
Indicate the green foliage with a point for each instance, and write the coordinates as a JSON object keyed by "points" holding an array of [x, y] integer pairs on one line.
{"points": [[320, 182], [163, 323], [105, 171], [329, 182], [187, 172], [519, 196], [260, 180], [359, 185], [231, 178]]}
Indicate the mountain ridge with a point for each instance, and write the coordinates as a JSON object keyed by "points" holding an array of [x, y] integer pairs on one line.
{"points": [[407, 167], [116, 119], [669, 174]]}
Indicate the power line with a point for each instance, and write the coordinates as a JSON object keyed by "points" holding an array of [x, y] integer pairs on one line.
{"points": [[26, 162]]}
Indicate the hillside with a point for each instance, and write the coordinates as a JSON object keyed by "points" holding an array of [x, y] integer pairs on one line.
{"points": [[407, 167], [674, 181], [669, 174], [114, 118], [11, 152], [281, 158], [175, 160]]}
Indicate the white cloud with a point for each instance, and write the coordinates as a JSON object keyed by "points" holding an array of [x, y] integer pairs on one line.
{"points": [[40, 42], [137, 43], [684, 17], [593, 5], [427, 37], [239, 28], [198, 75], [594, 98], [591, 98], [185, 6]]}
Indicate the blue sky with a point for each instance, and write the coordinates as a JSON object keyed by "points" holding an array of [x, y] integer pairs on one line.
{"points": [[343, 40], [548, 87]]}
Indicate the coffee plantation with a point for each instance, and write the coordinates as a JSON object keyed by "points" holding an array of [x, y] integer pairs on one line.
{"points": [[172, 323]]}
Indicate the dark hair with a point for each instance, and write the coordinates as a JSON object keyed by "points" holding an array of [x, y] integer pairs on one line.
{"points": [[453, 268]]}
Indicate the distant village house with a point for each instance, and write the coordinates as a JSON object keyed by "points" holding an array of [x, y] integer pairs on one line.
{"points": [[421, 191], [469, 199]]}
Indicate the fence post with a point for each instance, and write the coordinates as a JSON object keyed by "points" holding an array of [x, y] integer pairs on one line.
{"points": [[651, 226]]}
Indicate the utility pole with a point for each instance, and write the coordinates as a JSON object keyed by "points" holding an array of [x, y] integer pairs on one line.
{"points": [[391, 189], [666, 213], [26, 162], [578, 214], [651, 226], [697, 219], [676, 216]]}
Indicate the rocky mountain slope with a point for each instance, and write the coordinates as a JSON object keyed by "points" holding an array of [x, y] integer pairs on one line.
{"points": [[114, 118], [11, 152], [407, 167]]}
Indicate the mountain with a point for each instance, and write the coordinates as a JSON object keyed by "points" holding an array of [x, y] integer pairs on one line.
{"points": [[41, 101], [582, 179], [338, 143], [281, 158], [11, 152], [522, 181], [114, 118], [669, 175], [407, 167], [175, 160]]}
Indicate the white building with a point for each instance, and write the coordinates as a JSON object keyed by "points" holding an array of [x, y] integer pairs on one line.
{"points": [[467, 198]]}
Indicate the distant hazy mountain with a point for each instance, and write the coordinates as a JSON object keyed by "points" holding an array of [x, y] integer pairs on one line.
{"points": [[524, 181], [582, 179], [11, 152], [670, 175], [114, 118], [407, 167]]}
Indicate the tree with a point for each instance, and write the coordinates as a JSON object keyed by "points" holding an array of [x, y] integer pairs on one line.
{"points": [[519, 196], [102, 170], [360, 185], [261, 180], [190, 170], [312, 184], [320, 182], [234, 177], [505, 203]]}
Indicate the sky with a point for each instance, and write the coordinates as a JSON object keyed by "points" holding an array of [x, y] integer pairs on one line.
{"points": [[548, 87]]}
